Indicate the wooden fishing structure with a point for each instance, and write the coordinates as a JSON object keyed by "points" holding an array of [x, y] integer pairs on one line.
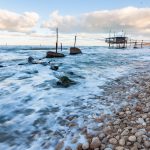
{"points": [[122, 41], [117, 41]]}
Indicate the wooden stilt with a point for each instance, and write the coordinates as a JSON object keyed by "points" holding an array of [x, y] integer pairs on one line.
{"points": [[61, 46], [142, 44], [75, 41], [56, 39]]}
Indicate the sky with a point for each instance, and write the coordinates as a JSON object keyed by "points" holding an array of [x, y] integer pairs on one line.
{"points": [[24, 22]]}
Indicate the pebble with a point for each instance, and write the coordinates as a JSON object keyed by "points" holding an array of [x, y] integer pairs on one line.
{"points": [[96, 143], [113, 141], [122, 142], [85, 146], [139, 133], [108, 149], [119, 148], [125, 132], [132, 138], [147, 144], [141, 121]]}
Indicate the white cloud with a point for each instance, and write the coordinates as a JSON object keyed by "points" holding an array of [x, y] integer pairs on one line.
{"points": [[14, 22], [131, 19]]}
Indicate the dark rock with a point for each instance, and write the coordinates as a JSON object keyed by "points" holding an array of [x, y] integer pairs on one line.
{"points": [[54, 67], [65, 81], [1, 66], [54, 55], [74, 51], [30, 60]]}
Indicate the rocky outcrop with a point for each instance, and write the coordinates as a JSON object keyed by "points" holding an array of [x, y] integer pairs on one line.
{"points": [[64, 81], [74, 51], [51, 54]]}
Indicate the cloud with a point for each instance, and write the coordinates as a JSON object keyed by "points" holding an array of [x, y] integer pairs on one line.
{"points": [[14, 22], [130, 19]]}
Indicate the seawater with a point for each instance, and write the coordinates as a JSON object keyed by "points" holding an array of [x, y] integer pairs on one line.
{"points": [[35, 112]]}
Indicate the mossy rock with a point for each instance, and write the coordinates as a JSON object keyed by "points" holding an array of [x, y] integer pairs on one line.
{"points": [[64, 81]]}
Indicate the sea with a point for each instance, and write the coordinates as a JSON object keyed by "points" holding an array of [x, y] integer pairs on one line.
{"points": [[36, 113]]}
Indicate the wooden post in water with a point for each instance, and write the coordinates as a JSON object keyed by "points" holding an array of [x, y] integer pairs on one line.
{"points": [[56, 39], [61, 46], [109, 38], [135, 44], [142, 44], [75, 41]]}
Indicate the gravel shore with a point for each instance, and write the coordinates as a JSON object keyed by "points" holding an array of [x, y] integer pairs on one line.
{"points": [[129, 127]]}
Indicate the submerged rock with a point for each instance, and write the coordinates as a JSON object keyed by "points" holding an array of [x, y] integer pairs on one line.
{"points": [[65, 81], [54, 67], [1, 66], [51, 54], [31, 60], [74, 51]]}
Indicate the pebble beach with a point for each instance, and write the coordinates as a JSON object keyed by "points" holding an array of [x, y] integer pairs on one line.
{"points": [[129, 127]]}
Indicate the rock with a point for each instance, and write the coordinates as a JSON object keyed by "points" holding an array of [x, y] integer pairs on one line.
{"points": [[85, 146], [139, 139], [141, 121], [65, 81], [113, 141], [122, 142], [117, 122], [103, 146], [96, 143], [101, 136], [60, 145], [108, 149], [147, 144], [1, 66], [125, 132], [96, 149], [54, 67], [79, 146], [128, 112], [140, 133], [138, 108], [119, 148], [74, 51], [31, 60], [132, 138], [107, 130], [51, 54]]}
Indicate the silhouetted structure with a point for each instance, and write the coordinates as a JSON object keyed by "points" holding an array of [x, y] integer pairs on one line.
{"points": [[117, 42]]}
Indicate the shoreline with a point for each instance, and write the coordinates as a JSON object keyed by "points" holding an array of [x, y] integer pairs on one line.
{"points": [[129, 127]]}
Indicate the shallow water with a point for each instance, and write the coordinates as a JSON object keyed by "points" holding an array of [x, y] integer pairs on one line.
{"points": [[35, 113]]}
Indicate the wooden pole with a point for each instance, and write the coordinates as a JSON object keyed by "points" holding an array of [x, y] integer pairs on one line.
{"points": [[61, 46], [56, 39], [109, 38], [142, 44], [75, 41], [135, 44]]}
